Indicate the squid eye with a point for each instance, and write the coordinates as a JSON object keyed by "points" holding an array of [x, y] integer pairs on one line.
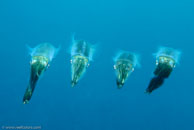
{"points": [[33, 61], [171, 63], [156, 62], [44, 62]]}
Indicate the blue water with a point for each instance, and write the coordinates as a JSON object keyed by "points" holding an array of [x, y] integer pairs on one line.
{"points": [[96, 103]]}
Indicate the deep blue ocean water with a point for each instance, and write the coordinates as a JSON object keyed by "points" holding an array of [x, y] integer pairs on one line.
{"points": [[95, 103]]}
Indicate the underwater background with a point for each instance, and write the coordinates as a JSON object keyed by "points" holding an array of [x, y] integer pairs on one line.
{"points": [[139, 26]]}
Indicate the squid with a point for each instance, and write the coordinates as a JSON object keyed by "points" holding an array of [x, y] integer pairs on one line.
{"points": [[125, 63], [81, 56], [166, 61], [41, 57]]}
